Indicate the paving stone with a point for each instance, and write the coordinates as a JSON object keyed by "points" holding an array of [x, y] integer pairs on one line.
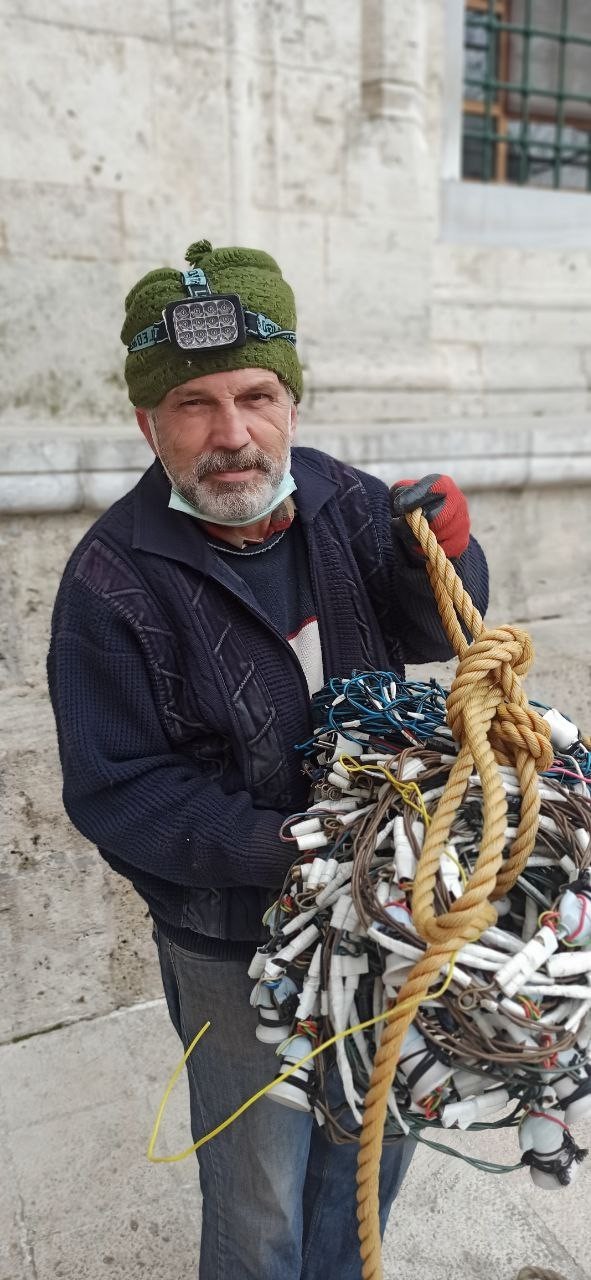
{"points": [[153, 1237], [86, 1202]]}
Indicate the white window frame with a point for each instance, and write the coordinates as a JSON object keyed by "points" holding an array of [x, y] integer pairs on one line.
{"points": [[493, 213]]}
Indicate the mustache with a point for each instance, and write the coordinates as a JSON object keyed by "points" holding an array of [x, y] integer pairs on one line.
{"points": [[226, 460]]}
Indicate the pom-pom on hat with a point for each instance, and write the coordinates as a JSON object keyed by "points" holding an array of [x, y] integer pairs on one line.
{"points": [[152, 371]]}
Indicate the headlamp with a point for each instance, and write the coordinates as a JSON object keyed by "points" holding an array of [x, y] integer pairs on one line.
{"points": [[200, 325], [206, 321]]}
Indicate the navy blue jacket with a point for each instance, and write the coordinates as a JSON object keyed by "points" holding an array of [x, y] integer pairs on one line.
{"points": [[179, 706]]}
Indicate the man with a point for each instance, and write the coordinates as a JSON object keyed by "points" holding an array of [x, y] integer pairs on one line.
{"points": [[192, 623]]}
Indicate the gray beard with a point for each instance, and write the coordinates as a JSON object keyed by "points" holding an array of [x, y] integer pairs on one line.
{"points": [[241, 500]]}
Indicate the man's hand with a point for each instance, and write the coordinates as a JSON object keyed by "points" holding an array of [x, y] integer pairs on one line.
{"points": [[443, 504]]}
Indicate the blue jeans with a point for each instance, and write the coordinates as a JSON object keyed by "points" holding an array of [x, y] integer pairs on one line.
{"points": [[278, 1199]]}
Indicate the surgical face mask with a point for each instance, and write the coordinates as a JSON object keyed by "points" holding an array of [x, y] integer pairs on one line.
{"points": [[287, 486]]}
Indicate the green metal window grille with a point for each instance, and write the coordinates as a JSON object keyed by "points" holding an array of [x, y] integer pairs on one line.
{"points": [[527, 92]]}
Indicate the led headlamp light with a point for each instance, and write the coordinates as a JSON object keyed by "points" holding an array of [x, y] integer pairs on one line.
{"points": [[198, 325], [206, 321]]}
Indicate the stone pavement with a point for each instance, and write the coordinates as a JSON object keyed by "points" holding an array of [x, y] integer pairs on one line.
{"points": [[78, 1198]]}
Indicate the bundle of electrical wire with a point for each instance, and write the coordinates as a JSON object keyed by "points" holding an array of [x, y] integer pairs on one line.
{"points": [[505, 1039]]}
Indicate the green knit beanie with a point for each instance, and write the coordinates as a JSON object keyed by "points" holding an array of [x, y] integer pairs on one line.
{"points": [[152, 371]]}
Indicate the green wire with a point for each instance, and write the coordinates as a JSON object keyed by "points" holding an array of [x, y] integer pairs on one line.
{"points": [[484, 1166]]}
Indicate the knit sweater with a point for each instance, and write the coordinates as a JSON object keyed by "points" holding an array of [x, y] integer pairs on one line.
{"points": [[278, 574], [179, 704]]}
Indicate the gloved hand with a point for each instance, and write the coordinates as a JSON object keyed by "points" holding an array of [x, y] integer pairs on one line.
{"points": [[444, 506]]}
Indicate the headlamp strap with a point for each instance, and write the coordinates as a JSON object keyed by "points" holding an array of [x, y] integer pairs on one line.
{"points": [[259, 326], [149, 337], [196, 283]]}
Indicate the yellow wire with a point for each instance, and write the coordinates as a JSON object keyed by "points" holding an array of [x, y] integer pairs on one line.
{"points": [[411, 1003], [404, 789], [452, 856]]}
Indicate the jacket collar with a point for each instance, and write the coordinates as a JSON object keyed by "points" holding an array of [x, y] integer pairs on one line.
{"points": [[165, 532]]}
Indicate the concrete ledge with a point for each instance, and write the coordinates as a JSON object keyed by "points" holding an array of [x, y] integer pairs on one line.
{"points": [[531, 218], [28, 493], [73, 468]]}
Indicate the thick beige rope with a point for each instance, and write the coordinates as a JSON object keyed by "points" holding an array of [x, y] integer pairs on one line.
{"points": [[488, 714]]}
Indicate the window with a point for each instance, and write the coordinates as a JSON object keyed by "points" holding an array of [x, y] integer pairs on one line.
{"points": [[527, 93]]}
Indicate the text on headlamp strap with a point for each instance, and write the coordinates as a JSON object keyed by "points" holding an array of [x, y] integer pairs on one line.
{"points": [[196, 283]]}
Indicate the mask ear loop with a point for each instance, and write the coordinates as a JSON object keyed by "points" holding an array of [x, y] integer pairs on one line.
{"points": [[156, 445]]}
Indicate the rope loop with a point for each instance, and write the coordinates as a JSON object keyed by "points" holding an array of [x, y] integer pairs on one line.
{"points": [[463, 926], [520, 728], [496, 660]]}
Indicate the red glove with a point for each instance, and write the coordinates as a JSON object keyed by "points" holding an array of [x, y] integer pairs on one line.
{"points": [[443, 504]]}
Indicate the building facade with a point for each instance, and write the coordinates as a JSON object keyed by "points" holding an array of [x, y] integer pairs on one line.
{"points": [[422, 177]]}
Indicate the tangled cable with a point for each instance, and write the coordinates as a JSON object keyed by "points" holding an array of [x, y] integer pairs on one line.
{"points": [[425, 811]]}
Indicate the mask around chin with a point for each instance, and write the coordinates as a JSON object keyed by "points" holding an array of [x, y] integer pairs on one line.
{"points": [[285, 488], [177, 502]]}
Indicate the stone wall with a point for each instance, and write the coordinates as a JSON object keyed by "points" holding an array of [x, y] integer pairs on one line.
{"points": [[325, 132], [316, 129]]}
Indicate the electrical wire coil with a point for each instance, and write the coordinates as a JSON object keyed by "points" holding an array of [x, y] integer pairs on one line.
{"points": [[428, 807], [447, 844]]}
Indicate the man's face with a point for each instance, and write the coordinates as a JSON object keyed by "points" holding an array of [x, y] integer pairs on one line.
{"points": [[225, 440]]}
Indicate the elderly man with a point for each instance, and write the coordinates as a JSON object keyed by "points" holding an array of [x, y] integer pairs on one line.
{"points": [[192, 623]]}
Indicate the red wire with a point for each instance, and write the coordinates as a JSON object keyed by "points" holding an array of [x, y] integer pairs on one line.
{"points": [[578, 930], [543, 1115], [569, 774]]}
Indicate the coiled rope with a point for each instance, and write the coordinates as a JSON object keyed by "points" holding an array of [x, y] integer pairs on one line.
{"points": [[489, 716]]}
